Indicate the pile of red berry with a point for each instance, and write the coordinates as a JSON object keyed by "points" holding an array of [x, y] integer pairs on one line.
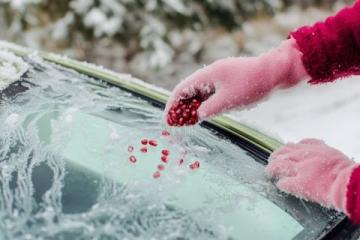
{"points": [[184, 112], [164, 154]]}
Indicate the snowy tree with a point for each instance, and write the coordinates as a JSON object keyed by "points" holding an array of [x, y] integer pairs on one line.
{"points": [[153, 29]]}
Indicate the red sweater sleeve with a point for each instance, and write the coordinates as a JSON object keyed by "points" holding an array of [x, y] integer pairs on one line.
{"points": [[353, 196], [331, 49]]}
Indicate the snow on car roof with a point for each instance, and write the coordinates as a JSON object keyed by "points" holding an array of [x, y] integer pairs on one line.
{"points": [[11, 68]]}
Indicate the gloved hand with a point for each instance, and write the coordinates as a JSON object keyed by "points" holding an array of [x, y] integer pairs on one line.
{"points": [[235, 82], [313, 171]]}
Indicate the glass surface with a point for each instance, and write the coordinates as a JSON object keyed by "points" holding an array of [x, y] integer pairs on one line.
{"points": [[65, 171]]}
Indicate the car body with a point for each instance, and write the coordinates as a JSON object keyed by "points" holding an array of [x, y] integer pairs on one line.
{"points": [[66, 174]]}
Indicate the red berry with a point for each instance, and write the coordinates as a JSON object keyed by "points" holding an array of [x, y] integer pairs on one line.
{"points": [[144, 141], [130, 148], [164, 159], [170, 121], [184, 112], [165, 152], [143, 149], [132, 159], [161, 167], [195, 165], [156, 174], [153, 142], [165, 133]]}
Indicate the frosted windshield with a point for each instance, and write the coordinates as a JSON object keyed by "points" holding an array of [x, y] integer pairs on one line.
{"points": [[65, 173]]}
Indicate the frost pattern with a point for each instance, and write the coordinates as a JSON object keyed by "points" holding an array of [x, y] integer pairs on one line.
{"points": [[46, 195], [29, 212], [11, 68]]}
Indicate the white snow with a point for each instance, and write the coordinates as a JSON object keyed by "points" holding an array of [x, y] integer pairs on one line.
{"points": [[11, 68], [81, 6], [68, 115], [20, 5], [95, 19], [12, 119], [114, 135], [178, 6], [329, 111], [106, 19], [61, 27]]}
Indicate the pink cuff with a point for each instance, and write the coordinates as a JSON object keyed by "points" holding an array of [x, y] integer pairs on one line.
{"points": [[353, 196]]}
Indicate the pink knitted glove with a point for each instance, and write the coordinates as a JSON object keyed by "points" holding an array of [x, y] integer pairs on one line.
{"points": [[234, 82], [313, 171]]}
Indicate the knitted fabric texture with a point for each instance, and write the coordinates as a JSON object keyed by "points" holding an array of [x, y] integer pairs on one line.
{"points": [[353, 196], [331, 49]]}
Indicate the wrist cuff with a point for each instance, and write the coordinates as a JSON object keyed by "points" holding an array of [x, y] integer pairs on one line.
{"points": [[353, 196]]}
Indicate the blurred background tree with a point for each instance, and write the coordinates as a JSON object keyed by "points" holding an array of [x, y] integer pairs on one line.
{"points": [[160, 41]]}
